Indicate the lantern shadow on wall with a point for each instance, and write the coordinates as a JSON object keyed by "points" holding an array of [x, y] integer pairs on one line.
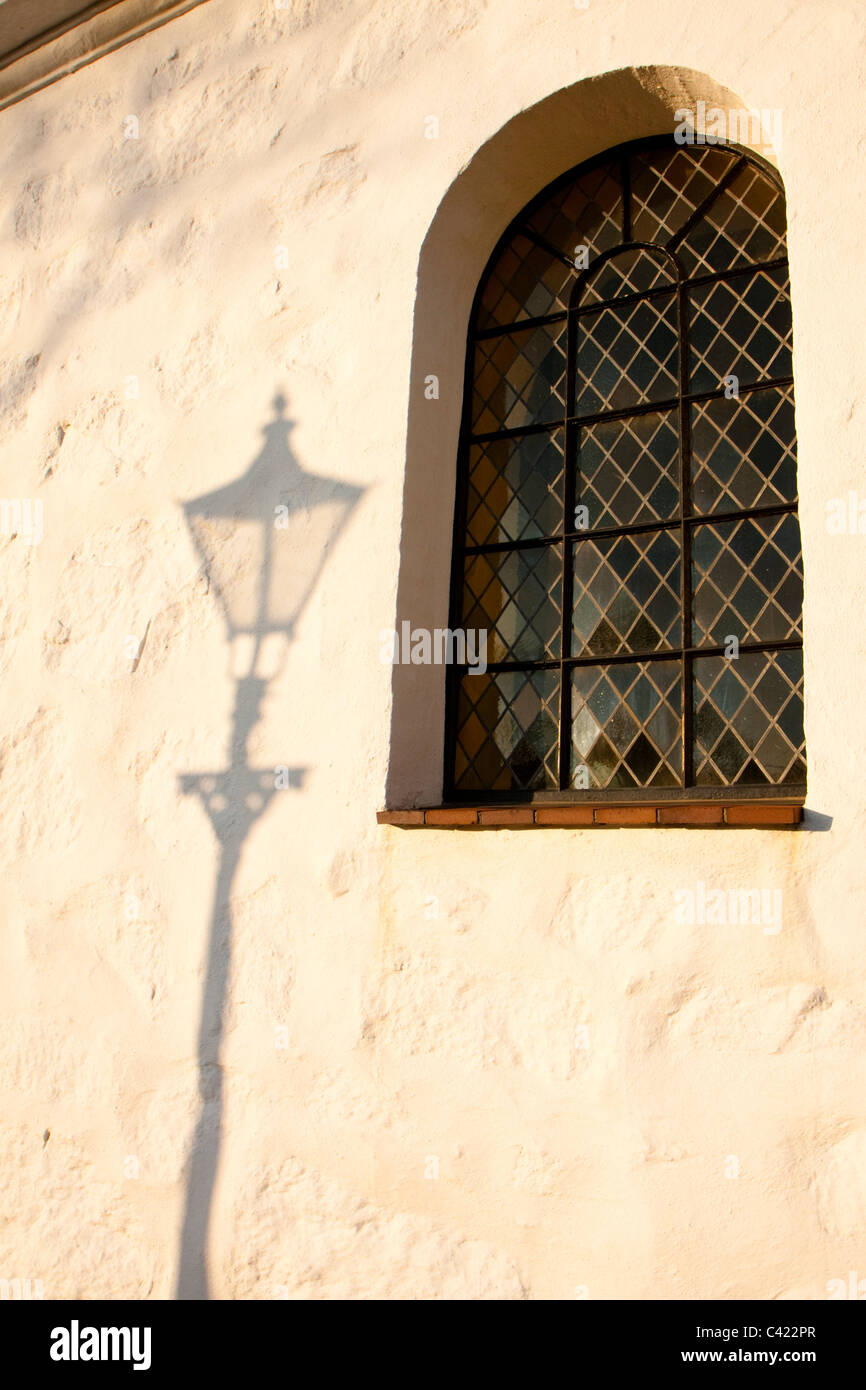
{"points": [[263, 541]]}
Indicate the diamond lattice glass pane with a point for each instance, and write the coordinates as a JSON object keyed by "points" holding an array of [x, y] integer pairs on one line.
{"points": [[626, 594], [749, 720], [744, 452], [627, 725], [628, 272], [628, 470], [525, 282], [668, 185], [627, 356], [519, 379], [587, 212], [740, 327], [744, 225], [747, 579], [515, 489], [507, 732], [516, 597]]}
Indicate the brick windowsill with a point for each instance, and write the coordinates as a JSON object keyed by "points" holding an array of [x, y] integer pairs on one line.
{"points": [[760, 814]]}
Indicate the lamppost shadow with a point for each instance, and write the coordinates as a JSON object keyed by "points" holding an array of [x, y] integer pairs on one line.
{"points": [[263, 541]]}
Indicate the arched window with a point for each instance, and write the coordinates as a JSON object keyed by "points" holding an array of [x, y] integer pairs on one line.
{"points": [[626, 526]]}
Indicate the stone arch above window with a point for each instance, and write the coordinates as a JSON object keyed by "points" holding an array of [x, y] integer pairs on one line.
{"points": [[626, 528]]}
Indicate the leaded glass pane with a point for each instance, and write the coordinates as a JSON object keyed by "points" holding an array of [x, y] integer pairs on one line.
{"points": [[749, 720], [626, 594], [515, 488], [668, 185], [519, 379], [526, 282], [628, 470], [741, 328], [507, 731], [587, 212], [745, 224], [747, 580], [626, 725], [627, 355], [516, 596], [744, 451]]}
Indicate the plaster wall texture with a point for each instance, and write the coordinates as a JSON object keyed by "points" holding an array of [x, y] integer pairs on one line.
{"points": [[433, 1064]]}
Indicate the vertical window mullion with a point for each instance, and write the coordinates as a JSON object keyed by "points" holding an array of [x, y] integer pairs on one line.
{"points": [[572, 433], [685, 538]]}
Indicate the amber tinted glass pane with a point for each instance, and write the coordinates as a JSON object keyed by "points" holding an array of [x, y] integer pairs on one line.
{"points": [[743, 451], [628, 470], [747, 581], [626, 594], [749, 720], [519, 379], [588, 212], [507, 731], [525, 282], [627, 355], [516, 596], [746, 223], [626, 725], [515, 489], [740, 327]]}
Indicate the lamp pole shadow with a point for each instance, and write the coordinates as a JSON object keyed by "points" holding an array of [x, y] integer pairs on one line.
{"points": [[264, 586]]}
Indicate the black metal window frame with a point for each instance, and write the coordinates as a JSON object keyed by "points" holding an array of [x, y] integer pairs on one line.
{"points": [[683, 524]]}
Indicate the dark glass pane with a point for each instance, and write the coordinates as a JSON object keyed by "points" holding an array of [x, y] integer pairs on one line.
{"points": [[626, 594], [587, 212], [519, 379], [516, 597], [525, 282], [747, 581], [515, 489], [749, 720], [628, 272], [626, 725], [507, 731], [668, 185], [744, 451], [627, 356], [745, 224], [741, 328], [628, 470]]}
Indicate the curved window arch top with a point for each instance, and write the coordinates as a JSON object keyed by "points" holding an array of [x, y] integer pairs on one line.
{"points": [[626, 523]]}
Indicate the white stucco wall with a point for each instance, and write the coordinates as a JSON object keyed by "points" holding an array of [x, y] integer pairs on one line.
{"points": [[364, 1035]]}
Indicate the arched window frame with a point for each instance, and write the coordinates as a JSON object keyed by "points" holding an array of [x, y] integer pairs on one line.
{"points": [[687, 521]]}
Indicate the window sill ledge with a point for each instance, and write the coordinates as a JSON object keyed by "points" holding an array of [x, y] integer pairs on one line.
{"points": [[718, 815]]}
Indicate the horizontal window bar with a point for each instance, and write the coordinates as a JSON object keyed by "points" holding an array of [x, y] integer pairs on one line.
{"points": [[635, 528], [498, 330], [539, 322], [622, 658], [648, 408]]}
